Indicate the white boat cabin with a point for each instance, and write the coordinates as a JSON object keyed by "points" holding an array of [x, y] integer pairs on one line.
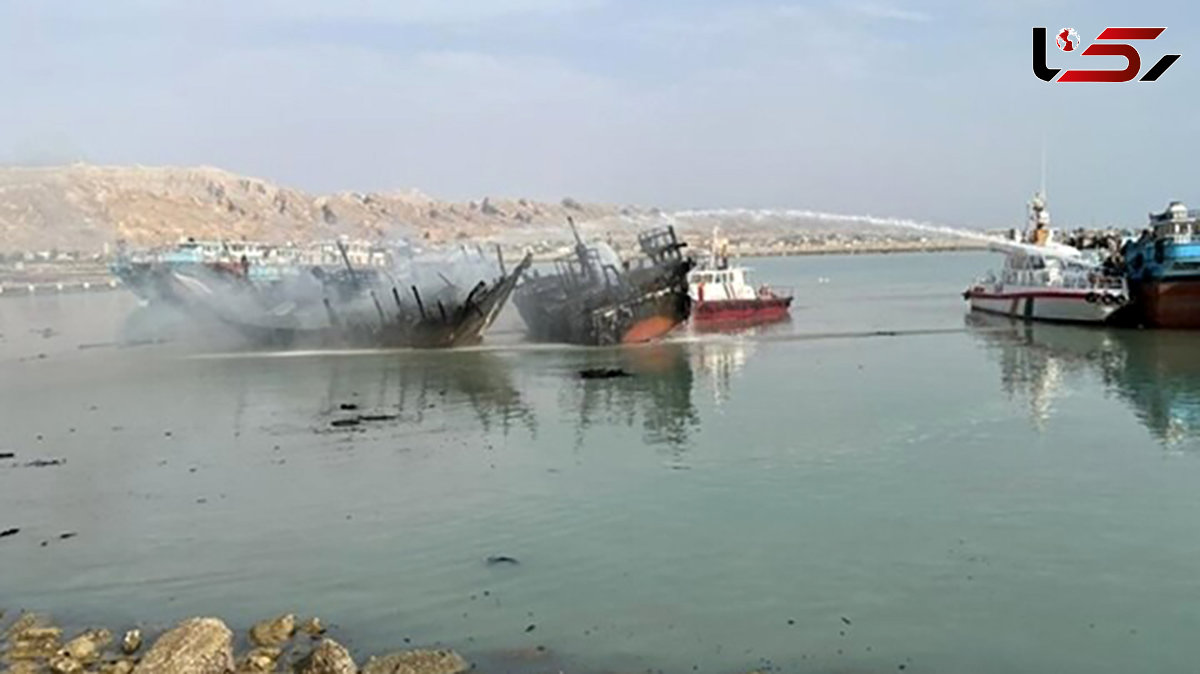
{"points": [[720, 285], [1035, 271]]}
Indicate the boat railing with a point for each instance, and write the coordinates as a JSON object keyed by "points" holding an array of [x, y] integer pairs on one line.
{"points": [[1055, 279], [661, 245], [780, 292]]}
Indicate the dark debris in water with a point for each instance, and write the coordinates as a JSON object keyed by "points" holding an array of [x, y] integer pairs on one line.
{"points": [[494, 560], [350, 422], [42, 463], [603, 373], [9, 532], [8, 455], [348, 406], [377, 417]]}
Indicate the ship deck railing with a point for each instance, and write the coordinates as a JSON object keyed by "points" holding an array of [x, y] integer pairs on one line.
{"points": [[660, 244], [1045, 278]]}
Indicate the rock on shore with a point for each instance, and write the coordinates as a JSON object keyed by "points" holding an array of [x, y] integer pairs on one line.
{"points": [[328, 657], [31, 638], [202, 646], [195, 646], [86, 647], [274, 632], [417, 662]]}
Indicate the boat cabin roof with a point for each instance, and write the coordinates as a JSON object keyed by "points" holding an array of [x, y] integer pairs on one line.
{"points": [[1176, 219], [729, 275]]}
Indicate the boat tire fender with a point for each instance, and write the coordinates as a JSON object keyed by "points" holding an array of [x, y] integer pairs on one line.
{"points": [[1091, 298]]}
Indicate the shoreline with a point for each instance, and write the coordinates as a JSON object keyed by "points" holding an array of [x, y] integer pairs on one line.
{"points": [[33, 643], [91, 277]]}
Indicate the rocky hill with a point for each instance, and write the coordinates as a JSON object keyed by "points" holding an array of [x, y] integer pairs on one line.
{"points": [[83, 207]]}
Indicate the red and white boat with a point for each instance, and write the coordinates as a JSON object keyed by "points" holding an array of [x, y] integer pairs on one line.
{"points": [[1043, 280], [722, 294]]}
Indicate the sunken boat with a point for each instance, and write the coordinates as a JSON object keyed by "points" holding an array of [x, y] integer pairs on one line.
{"points": [[322, 306], [593, 297]]}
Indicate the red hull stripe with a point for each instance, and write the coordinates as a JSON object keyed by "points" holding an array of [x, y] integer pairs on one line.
{"points": [[740, 309]]}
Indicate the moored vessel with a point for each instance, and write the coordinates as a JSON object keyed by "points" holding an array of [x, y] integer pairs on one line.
{"points": [[722, 295], [1163, 268], [1043, 280]]}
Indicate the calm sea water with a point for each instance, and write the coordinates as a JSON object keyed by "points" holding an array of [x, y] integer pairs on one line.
{"points": [[883, 481]]}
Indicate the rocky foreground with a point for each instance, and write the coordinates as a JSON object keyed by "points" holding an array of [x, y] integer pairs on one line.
{"points": [[205, 646]]}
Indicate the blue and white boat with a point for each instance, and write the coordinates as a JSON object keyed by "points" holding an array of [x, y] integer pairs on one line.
{"points": [[1163, 268]]}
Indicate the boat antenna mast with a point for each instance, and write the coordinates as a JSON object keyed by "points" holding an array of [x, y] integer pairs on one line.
{"points": [[1038, 216], [581, 249], [1043, 184]]}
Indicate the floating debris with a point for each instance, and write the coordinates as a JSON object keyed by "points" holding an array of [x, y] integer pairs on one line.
{"points": [[7, 455], [42, 463], [67, 534], [603, 373], [345, 423], [9, 532], [377, 417], [348, 406], [501, 559]]}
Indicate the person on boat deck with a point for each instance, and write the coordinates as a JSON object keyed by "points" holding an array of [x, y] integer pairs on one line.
{"points": [[1040, 234]]}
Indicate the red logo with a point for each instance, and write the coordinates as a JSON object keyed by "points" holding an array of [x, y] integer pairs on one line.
{"points": [[1068, 40]]}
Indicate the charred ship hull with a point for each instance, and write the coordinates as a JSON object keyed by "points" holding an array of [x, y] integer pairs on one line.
{"points": [[317, 307], [594, 301], [355, 310]]}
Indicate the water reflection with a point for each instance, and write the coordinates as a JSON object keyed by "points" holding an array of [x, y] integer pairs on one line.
{"points": [[1155, 372], [416, 385], [720, 362], [657, 394]]}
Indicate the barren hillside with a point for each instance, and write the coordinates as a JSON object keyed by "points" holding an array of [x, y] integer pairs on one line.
{"points": [[82, 207]]}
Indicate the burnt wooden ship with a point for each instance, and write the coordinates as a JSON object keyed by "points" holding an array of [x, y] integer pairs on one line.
{"points": [[321, 307], [594, 298]]}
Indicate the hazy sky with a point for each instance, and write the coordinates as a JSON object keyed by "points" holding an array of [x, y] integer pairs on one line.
{"points": [[925, 108]]}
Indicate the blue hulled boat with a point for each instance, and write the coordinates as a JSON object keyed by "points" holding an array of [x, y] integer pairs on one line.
{"points": [[1163, 268]]}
